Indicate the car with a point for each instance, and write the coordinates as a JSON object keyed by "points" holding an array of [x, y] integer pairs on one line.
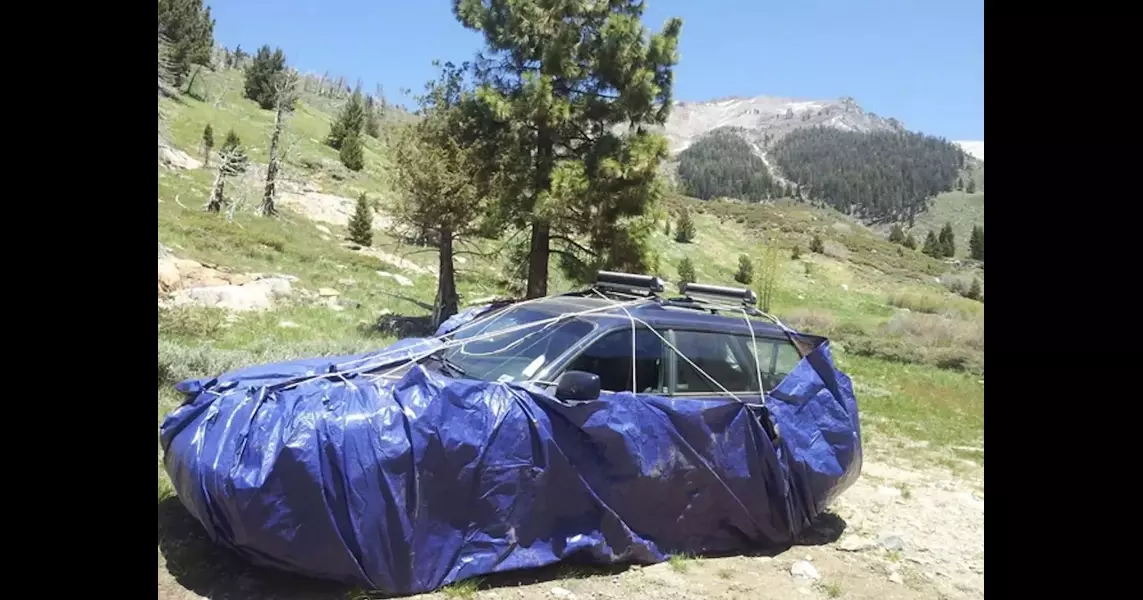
{"points": [[614, 424]]}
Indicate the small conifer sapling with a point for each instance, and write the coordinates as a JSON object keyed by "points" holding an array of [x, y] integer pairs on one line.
{"points": [[361, 225]]}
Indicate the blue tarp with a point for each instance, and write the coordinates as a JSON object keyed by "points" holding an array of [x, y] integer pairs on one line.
{"points": [[407, 486]]}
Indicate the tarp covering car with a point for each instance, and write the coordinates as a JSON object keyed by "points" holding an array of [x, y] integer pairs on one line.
{"points": [[410, 484]]}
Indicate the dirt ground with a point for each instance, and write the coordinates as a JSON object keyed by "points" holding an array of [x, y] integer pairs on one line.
{"points": [[900, 532]]}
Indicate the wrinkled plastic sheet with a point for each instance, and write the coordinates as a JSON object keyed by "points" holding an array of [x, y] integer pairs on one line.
{"points": [[410, 485]]}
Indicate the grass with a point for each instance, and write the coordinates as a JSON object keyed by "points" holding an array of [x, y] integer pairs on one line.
{"points": [[681, 562], [462, 590], [831, 590]]}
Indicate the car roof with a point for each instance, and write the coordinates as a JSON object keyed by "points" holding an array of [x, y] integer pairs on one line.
{"points": [[657, 315]]}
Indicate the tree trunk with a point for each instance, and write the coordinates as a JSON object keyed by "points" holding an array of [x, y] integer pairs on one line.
{"points": [[215, 203], [538, 260], [268, 208], [541, 230], [447, 300]]}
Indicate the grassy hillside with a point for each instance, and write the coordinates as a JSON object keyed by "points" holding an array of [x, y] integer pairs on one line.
{"points": [[960, 208]]}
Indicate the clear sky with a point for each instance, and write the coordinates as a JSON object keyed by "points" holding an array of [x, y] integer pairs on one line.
{"points": [[921, 61]]}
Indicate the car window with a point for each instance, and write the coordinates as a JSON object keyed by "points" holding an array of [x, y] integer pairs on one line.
{"points": [[776, 357], [610, 358], [721, 356]]}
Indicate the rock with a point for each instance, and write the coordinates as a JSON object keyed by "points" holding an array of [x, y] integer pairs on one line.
{"points": [[804, 570], [186, 265], [856, 544], [346, 282], [328, 292], [400, 279], [844, 287], [177, 159], [895, 577], [888, 492], [323, 229], [560, 592], [288, 324], [239, 279], [765, 559], [892, 543], [460, 260], [168, 275]]}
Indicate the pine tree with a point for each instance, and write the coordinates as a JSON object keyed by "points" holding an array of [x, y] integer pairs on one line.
{"points": [[896, 234], [974, 290], [189, 29], [686, 270], [232, 146], [816, 245], [959, 184], [667, 226], [559, 80], [349, 123], [971, 186], [946, 241], [910, 242], [361, 225], [796, 253], [352, 152], [263, 77], [372, 123], [976, 243], [685, 228], [932, 247], [207, 144], [433, 175], [745, 273]]}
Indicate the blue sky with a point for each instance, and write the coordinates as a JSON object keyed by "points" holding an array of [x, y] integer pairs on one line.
{"points": [[921, 61]]}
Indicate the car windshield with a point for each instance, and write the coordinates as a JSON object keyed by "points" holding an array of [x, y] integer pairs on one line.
{"points": [[517, 354]]}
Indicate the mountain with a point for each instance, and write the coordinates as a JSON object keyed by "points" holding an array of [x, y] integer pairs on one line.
{"points": [[768, 118]]}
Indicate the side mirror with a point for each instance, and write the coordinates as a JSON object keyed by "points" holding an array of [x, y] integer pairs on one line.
{"points": [[578, 386]]}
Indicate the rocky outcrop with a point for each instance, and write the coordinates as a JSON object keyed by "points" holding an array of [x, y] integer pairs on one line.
{"points": [[185, 282], [173, 158]]}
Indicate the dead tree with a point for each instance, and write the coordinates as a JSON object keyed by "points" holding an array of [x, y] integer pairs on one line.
{"points": [[231, 161], [285, 94]]}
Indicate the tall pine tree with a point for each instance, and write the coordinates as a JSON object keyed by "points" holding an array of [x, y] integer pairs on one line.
{"points": [[976, 243], [555, 81], [189, 29], [896, 234], [685, 229], [932, 246], [433, 171], [372, 120], [349, 123], [947, 241], [264, 77]]}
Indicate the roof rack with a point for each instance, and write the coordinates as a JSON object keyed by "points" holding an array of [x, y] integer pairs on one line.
{"points": [[696, 296], [629, 284], [714, 298]]}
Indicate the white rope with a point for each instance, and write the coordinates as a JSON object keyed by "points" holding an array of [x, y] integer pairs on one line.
{"points": [[634, 383], [757, 363], [680, 354], [560, 317]]}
